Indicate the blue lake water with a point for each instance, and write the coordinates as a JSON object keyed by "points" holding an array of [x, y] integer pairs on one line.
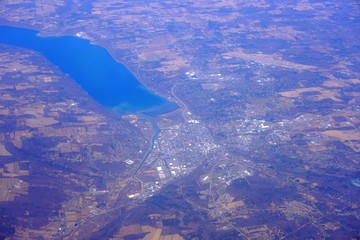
{"points": [[92, 67]]}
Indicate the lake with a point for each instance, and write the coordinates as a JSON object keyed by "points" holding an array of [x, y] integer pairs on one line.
{"points": [[94, 69]]}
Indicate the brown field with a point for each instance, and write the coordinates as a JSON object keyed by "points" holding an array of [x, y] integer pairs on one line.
{"points": [[310, 197], [154, 234], [335, 84], [40, 122], [343, 135], [12, 187], [13, 170], [323, 93], [131, 229], [267, 59], [3, 151], [233, 205], [173, 65], [171, 237]]}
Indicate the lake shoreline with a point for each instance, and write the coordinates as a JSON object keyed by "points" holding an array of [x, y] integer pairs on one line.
{"points": [[106, 80]]}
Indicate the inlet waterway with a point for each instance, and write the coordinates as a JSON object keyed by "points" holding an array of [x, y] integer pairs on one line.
{"points": [[154, 138], [93, 68]]}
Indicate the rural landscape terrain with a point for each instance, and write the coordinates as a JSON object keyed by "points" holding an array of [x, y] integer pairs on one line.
{"points": [[265, 143]]}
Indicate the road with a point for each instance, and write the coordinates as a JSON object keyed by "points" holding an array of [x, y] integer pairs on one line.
{"points": [[242, 233], [185, 110]]}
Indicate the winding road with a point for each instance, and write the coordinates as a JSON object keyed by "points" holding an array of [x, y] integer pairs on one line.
{"points": [[184, 107]]}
